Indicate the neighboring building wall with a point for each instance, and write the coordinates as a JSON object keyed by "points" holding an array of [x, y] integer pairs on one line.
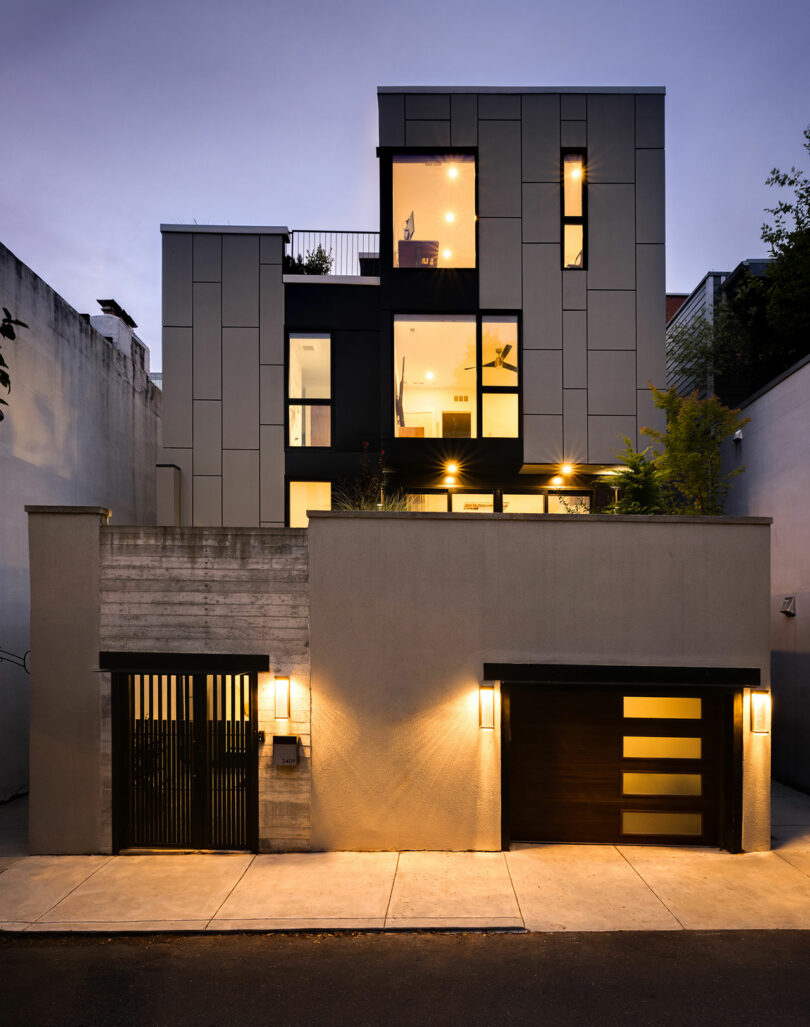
{"points": [[398, 760], [81, 427], [223, 360], [592, 340], [776, 483]]}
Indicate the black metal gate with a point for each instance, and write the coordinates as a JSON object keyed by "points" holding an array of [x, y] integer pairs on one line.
{"points": [[185, 765]]}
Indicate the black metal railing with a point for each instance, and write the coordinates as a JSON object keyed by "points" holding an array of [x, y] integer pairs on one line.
{"points": [[315, 252]]}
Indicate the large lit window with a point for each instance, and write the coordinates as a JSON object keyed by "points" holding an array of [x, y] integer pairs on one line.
{"points": [[309, 390], [435, 378], [499, 377], [434, 210], [308, 495], [573, 212]]}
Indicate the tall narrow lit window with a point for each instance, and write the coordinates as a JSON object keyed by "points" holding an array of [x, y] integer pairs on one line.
{"points": [[309, 390], [499, 377], [573, 210]]}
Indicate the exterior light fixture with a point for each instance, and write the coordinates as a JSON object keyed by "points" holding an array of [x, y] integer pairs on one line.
{"points": [[486, 706], [452, 172], [449, 479], [556, 480], [429, 375], [450, 216], [282, 698], [566, 469], [761, 713], [451, 467], [447, 254]]}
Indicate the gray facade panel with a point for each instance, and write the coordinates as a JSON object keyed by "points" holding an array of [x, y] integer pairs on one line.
{"points": [[542, 381], [427, 105], [271, 249], [650, 120], [574, 133], [499, 169], [464, 120], [499, 263], [575, 349], [240, 281], [650, 316], [427, 133], [272, 473], [207, 502], [541, 137], [207, 337], [648, 416], [542, 439], [240, 488], [611, 382], [492, 106], [541, 212], [271, 331], [611, 320], [271, 394], [573, 106], [611, 237], [240, 388], [177, 278], [575, 426], [611, 138], [207, 257], [606, 438], [650, 196], [542, 297], [575, 290], [207, 436], [177, 387], [391, 109]]}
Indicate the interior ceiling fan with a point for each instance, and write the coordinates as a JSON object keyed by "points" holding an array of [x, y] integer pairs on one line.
{"points": [[501, 353]]}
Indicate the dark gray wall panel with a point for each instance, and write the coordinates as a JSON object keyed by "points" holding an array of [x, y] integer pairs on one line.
{"points": [[271, 249], [541, 137], [574, 290], [240, 388], [464, 119], [650, 196], [650, 316], [611, 138], [574, 133], [648, 416], [575, 349], [541, 212], [240, 488], [271, 492], [499, 263], [650, 119], [606, 437], [611, 237], [611, 382], [177, 277], [240, 281], [207, 502], [575, 426], [427, 105], [492, 106], [542, 381], [177, 387], [573, 106], [271, 331], [207, 436], [207, 255], [207, 337], [499, 169], [542, 439], [391, 119], [427, 133], [542, 297], [271, 394], [611, 320]]}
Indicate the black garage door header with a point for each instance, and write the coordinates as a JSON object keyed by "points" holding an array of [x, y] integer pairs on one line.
{"points": [[183, 663], [589, 674]]}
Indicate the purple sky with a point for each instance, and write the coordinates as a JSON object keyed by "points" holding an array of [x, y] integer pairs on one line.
{"points": [[116, 117]]}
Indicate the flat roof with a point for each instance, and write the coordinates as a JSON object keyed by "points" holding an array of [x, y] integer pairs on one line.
{"points": [[521, 89], [229, 229]]}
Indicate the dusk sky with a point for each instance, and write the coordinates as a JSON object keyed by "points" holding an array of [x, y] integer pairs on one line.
{"points": [[117, 117]]}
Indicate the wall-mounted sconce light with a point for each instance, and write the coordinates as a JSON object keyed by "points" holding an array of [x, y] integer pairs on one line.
{"points": [[761, 713], [282, 698], [567, 469], [486, 706], [788, 606], [557, 480]]}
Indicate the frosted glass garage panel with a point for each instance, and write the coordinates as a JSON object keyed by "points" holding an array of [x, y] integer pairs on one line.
{"points": [[657, 747], [640, 822], [663, 707], [661, 784]]}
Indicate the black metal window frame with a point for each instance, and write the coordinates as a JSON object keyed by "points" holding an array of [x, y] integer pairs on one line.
{"points": [[294, 402], [574, 151], [480, 316]]}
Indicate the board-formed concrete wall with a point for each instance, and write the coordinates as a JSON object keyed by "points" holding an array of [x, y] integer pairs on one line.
{"points": [[593, 339], [81, 428], [406, 609]]}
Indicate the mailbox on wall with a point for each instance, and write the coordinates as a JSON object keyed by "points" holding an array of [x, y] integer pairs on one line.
{"points": [[285, 750]]}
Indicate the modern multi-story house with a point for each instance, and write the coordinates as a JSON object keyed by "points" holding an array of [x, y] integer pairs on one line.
{"points": [[496, 340], [480, 667]]}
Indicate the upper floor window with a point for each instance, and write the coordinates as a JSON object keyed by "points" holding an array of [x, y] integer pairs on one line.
{"points": [[573, 210], [309, 390], [434, 210]]}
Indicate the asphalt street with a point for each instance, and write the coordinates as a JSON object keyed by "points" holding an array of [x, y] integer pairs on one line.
{"points": [[749, 977]]}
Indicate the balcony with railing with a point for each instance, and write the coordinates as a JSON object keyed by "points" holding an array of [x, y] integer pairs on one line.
{"points": [[336, 254]]}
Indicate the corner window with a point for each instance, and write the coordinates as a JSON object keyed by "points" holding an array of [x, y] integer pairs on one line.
{"points": [[573, 210], [434, 210], [309, 390], [308, 495], [455, 373]]}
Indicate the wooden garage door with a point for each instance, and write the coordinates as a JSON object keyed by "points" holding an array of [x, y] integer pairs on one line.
{"points": [[617, 764]]}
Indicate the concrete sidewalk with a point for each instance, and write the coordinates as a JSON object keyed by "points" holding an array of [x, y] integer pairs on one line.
{"points": [[533, 887]]}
